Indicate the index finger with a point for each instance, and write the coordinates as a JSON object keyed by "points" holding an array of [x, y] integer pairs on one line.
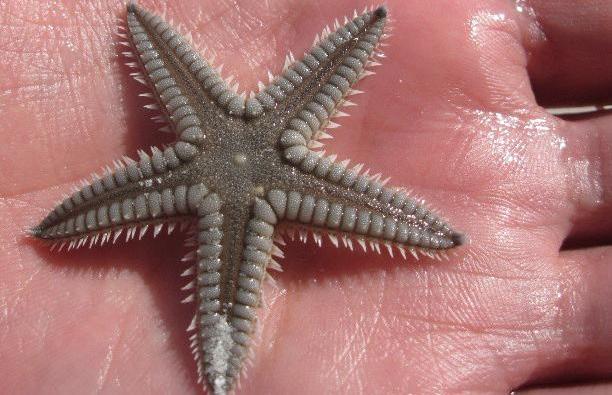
{"points": [[572, 64]]}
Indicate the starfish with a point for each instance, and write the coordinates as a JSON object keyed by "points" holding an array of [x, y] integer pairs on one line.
{"points": [[241, 170]]}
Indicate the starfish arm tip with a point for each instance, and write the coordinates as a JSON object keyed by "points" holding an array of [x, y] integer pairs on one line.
{"points": [[459, 239], [132, 6], [35, 231], [381, 11]]}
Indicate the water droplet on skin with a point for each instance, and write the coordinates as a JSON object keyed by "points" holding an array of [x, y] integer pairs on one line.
{"points": [[522, 7]]}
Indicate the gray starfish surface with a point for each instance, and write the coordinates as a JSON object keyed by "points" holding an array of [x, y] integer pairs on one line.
{"points": [[241, 168]]}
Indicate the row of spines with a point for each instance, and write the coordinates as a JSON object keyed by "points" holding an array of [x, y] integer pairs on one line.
{"points": [[209, 77], [325, 214], [276, 92], [235, 322], [126, 172], [188, 125], [345, 75]]}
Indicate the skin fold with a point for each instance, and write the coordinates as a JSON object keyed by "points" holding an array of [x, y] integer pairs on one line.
{"points": [[454, 112]]}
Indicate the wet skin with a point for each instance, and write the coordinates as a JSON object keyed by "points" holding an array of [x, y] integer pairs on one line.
{"points": [[450, 114]]}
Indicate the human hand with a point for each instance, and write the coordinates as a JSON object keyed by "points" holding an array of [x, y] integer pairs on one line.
{"points": [[451, 114]]}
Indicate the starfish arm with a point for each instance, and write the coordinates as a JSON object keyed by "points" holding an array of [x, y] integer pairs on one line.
{"points": [[231, 264], [177, 75], [311, 90], [340, 201], [136, 195]]}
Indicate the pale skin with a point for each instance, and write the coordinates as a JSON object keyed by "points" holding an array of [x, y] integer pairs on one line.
{"points": [[451, 113]]}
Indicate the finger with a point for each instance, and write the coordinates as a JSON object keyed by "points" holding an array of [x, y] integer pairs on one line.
{"points": [[581, 347], [589, 180], [586, 389], [572, 64]]}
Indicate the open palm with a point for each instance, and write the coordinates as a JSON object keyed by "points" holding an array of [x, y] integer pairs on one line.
{"points": [[451, 113]]}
